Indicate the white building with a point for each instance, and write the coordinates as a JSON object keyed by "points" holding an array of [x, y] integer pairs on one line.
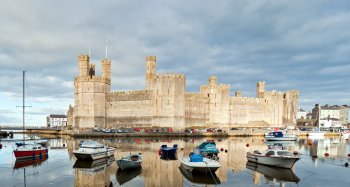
{"points": [[331, 116], [57, 120], [302, 114]]}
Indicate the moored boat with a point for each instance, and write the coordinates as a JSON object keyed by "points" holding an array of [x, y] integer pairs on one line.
{"points": [[316, 133], [274, 157], [345, 134], [30, 151], [168, 150], [129, 162], [207, 148], [279, 136], [198, 163], [92, 150]]}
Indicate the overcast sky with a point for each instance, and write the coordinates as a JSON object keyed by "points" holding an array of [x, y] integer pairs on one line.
{"points": [[302, 45]]}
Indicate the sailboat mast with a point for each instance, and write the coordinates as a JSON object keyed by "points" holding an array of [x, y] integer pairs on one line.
{"points": [[23, 105]]}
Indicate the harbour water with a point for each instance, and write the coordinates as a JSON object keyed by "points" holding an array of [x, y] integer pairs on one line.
{"points": [[322, 164]]}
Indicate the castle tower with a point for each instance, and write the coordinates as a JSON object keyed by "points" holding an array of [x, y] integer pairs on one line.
{"points": [[213, 81], [106, 70], [260, 89], [90, 94], [83, 65], [150, 72]]}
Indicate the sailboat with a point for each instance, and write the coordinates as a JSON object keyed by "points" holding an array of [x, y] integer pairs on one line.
{"points": [[317, 132], [28, 150]]}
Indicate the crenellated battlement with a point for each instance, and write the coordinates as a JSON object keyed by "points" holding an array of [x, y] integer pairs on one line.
{"points": [[82, 57], [246, 100], [130, 92], [170, 75], [151, 58], [193, 94], [130, 95]]}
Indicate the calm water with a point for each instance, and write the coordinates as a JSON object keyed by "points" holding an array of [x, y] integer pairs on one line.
{"points": [[61, 168]]}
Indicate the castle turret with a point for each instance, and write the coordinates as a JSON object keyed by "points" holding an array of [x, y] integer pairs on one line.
{"points": [[260, 89], [150, 72], [213, 80], [106, 70], [83, 65]]}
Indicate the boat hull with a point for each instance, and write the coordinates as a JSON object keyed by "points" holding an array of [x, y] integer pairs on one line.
{"points": [[316, 134], [24, 154], [127, 164], [280, 138], [203, 167], [93, 156], [282, 162]]}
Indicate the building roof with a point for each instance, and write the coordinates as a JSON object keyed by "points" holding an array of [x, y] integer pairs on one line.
{"points": [[57, 116], [335, 107]]}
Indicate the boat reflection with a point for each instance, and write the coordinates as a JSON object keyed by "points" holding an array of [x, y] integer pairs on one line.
{"points": [[20, 163], [93, 173], [271, 173], [199, 178], [168, 157], [93, 166], [127, 175]]}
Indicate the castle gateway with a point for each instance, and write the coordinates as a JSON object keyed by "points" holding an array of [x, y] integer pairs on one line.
{"points": [[165, 102]]}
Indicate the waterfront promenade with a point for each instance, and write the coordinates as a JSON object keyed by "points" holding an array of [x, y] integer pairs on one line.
{"points": [[248, 132]]}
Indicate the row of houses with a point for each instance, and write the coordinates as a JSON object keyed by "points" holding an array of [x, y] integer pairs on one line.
{"points": [[329, 116], [56, 120]]}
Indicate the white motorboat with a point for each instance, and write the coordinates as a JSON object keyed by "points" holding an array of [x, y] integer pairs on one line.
{"points": [[345, 134], [198, 163], [316, 133], [92, 150], [279, 136], [274, 157], [130, 161]]}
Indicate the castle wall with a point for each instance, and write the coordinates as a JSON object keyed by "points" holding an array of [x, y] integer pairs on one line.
{"points": [[197, 109], [290, 107], [246, 112], [275, 108], [218, 102], [129, 109], [169, 100]]}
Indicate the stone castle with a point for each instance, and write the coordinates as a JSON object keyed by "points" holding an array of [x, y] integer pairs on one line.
{"points": [[165, 102]]}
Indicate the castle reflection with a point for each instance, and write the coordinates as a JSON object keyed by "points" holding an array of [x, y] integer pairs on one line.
{"points": [[158, 172]]}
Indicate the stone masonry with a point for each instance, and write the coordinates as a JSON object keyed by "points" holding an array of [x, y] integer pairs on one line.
{"points": [[165, 102]]}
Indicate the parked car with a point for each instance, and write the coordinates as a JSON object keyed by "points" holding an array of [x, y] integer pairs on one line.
{"points": [[210, 130], [234, 129]]}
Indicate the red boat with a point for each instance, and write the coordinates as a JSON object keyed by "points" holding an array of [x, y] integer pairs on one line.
{"points": [[30, 151]]}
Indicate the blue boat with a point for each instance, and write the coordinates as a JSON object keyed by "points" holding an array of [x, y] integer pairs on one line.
{"points": [[168, 152], [207, 148]]}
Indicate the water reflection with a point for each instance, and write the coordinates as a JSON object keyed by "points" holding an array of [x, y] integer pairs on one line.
{"points": [[61, 168], [93, 173], [274, 173], [199, 178], [127, 175], [20, 163]]}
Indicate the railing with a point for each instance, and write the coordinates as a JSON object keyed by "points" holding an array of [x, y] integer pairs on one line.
{"points": [[9, 127]]}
